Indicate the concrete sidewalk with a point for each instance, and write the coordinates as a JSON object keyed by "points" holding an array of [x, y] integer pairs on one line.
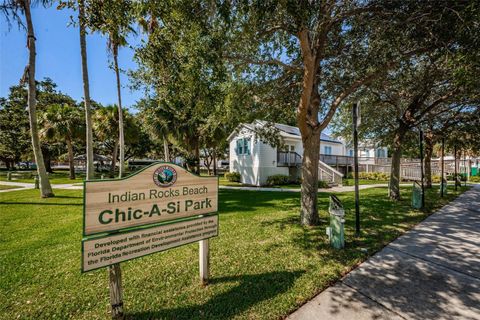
{"points": [[431, 272]]}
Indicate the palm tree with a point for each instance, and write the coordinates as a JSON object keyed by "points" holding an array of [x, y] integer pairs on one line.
{"points": [[12, 7], [113, 18], [63, 122], [106, 126], [86, 89]]}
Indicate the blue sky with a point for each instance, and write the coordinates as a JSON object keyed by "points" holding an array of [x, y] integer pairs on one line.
{"points": [[58, 57]]}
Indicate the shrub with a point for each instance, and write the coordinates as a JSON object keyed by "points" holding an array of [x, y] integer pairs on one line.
{"points": [[278, 179], [323, 184], [461, 177], [379, 176], [475, 179], [232, 176], [436, 179]]}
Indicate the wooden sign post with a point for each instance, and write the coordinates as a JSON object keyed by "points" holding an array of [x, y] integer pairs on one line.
{"points": [[158, 208]]}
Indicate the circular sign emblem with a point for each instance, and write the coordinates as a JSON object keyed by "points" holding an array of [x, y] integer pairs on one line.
{"points": [[165, 176]]}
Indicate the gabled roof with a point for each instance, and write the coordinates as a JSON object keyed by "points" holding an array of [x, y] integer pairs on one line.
{"points": [[285, 131]]}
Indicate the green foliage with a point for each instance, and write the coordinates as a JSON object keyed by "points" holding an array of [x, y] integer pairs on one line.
{"points": [[232, 176], [323, 184], [15, 144], [278, 180], [62, 122], [380, 176], [461, 177], [475, 179]]}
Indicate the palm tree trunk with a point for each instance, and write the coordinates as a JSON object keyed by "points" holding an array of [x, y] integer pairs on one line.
{"points": [[86, 91], [120, 115], [114, 159], [45, 187], [70, 159]]}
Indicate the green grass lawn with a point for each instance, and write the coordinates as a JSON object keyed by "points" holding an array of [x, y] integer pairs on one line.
{"points": [[4, 187], [351, 182], [264, 264], [58, 177]]}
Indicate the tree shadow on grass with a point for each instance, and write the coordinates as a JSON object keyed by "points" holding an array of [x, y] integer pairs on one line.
{"points": [[234, 201], [41, 203], [251, 290], [68, 197]]}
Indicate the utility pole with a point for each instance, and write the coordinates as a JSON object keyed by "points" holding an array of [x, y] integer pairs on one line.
{"points": [[356, 122], [442, 164], [421, 168]]}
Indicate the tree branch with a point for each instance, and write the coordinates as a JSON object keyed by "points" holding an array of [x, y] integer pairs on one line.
{"points": [[344, 94], [271, 62]]}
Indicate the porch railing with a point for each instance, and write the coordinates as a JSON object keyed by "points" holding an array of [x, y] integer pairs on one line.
{"points": [[288, 159]]}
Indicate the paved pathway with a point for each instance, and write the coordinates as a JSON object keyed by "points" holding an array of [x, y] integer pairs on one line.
{"points": [[431, 272], [24, 185]]}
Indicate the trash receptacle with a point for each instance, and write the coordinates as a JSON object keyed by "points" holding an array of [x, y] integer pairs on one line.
{"points": [[444, 187], [336, 231], [417, 195]]}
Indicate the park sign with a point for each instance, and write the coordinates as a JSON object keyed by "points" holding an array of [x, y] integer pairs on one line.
{"points": [[158, 193], [158, 208]]}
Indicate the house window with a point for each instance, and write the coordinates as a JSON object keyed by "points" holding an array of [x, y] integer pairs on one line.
{"points": [[327, 150], [350, 153], [243, 146], [380, 153]]}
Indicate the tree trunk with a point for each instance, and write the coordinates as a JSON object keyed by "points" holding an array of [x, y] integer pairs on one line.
{"points": [[311, 156], [86, 92], [214, 162], [47, 159], [114, 159], [70, 159], [394, 185], [428, 159], [45, 187], [197, 157], [121, 168], [165, 149]]}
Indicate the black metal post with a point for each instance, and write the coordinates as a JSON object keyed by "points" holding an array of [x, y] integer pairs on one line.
{"points": [[442, 164], [355, 164], [421, 169], [455, 165]]}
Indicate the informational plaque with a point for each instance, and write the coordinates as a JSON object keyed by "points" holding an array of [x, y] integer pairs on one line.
{"points": [[159, 193], [106, 250]]}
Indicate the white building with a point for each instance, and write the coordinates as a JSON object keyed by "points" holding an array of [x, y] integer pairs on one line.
{"points": [[256, 160]]}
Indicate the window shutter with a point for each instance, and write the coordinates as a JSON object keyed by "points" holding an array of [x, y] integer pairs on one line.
{"points": [[240, 146], [246, 145]]}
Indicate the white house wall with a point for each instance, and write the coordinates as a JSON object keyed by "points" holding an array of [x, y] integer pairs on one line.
{"points": [[267, 164], [337, 148], [245, 164]]}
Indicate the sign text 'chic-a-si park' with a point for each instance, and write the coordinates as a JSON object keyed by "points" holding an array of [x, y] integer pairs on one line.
{"points": [[159, 193]]}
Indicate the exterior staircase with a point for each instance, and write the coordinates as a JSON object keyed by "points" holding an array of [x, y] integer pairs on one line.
{"points": [[325, 172], [329, 174]]}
